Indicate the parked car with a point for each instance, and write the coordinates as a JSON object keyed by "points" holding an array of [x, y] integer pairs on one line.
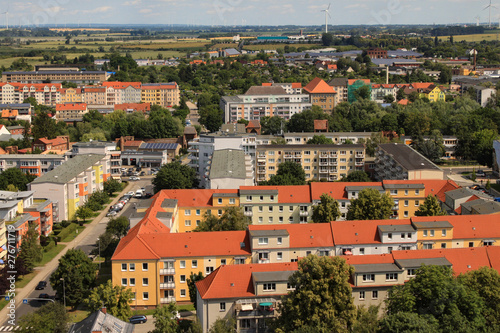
{"points": [[46, 297], [41, 285], [143, 173], [131, 193], [139, 194], [480, 173], [111, 213], [138, 319]]}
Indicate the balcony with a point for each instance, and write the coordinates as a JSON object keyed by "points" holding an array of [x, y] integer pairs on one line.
{"points": [[248, 213], [303, 213], [359, 163], [360, 155], [167, 285], [167, 300], [167, 271]]}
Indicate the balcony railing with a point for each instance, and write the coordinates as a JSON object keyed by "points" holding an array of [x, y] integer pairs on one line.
{"points": [[167, 285], [303, 213], [248, 213], [167, 271], [167, 300]]}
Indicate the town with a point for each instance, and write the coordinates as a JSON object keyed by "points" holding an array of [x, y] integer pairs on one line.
{"points": [[246, 178]]}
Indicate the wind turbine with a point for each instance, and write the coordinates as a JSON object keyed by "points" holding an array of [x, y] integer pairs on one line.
{"points": [[327, 12], [477, 20], [489, 15]]}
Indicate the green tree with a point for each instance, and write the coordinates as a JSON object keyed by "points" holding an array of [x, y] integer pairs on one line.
{"points": [[83, 213], [357, 176], [31, 251], [175, 175], [362, 92], [50, 318], [320, 140], [111, 186], [233, 218], [322, 298], [118, 227], [191, 280], [211, 117], [388, 98], [78, 273], [327, 39], [105, 246], [366, 319], [223, 325], [165, 319], [408, 322], [289, 173], [272, 125], [43, 126], [14, 176], [370, 205], [327, 210], [430, 207], [115, 298]]}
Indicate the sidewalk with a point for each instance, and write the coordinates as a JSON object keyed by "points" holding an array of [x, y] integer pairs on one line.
{"points": [[46, 271]]}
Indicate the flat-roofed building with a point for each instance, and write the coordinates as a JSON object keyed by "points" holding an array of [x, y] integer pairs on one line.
{"points": [[56, 76], [230, 169], [163, 94], [35, 164]]}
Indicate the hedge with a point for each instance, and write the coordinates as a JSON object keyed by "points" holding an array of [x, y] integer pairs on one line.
{"points": [[66, 231]]}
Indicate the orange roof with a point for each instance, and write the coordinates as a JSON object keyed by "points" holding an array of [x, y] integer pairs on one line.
{"points": [[71, 106], [143, 107], [133, 143], [55, 142], [2, 151], [435, 187], [403, 102], [296, 85], [9, 113], [303, 235], [494, 256], [235, 281], [286, 194], [385, 258], [253, 124], [122, 85], [267, 84], [319, 86], [421, 85], [351, 81], [195, 198], [337, 189], [468, 226], [94, 89], [360, 232], [332, 66], [320, 124]]}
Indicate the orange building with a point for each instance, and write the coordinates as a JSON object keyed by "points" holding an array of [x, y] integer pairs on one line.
{"points": [[321, 94]]}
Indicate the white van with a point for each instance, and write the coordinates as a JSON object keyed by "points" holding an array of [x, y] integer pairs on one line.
{"points": [[139, 193]]}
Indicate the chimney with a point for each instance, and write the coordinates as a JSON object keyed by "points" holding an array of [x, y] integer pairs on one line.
{"points": [[103, 310], [122, 143]]}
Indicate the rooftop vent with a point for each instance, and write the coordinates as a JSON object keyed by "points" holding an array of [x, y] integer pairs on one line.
{"points": [[185, 246], [242, 244], [232, 284]]}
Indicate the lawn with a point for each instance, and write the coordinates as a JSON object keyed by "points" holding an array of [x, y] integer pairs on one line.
{"points": [[48, 256], [75, 233], [474, 38], [23, 281], [76, 316]]}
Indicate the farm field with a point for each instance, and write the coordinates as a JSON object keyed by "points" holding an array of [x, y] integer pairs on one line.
{"points": [[257, 47], [474, 38]]}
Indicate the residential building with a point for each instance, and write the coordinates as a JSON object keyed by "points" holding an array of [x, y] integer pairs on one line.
{"points": [[144, 158], [101, 148], [123, 92], [44, 93], [260, 101], [134, 107], [57, 76], [483, 94], [35, 164], [24, 109], [71, 95], [95, 96], [321, 94], [71, 112], [340, 86], [172, 149], [294, 88], [327, 162], [379, 91], [399, 161], [230, 169], [60, 143], [162, 94], [70, 184]]}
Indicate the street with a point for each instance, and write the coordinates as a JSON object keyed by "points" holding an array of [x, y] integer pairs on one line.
{"points": [[86, 243]]}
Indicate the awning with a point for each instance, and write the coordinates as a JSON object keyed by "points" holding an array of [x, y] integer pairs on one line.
{"points": [[246, 307], [266, 304]]}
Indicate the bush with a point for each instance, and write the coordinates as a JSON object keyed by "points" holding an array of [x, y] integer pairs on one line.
{"points": [[65, 223], [49, 246], [66, 231]]}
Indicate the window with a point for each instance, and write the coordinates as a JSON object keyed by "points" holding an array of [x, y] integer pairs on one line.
{"points": [[417, 192], [405, 213], [289, 286], [269, 286], [290, 208], [432, 233], [409, 235], [219, 212], [375, 294], [183, 292], [342, 204], [389, 235], [260, 219], [261, 209], [222, 307], [407, 203], [280, 218], [270, 219], [219, 201], [362, 250], [324, 253], [391, 276], [133, 296], [417, 203], [132, 281], [411, 271], [124, 282], [443, 232], [144, 266], [183, 278], [428, 246], [361, 295], [187, 212], [406, 192], [394, 192], [131, 267], [443, 245], [425, 233], [290, 219], [208, 270], [263, 256], [389, 249], [261, 198], [249, 198], [279, 255], [280, 240], [280, 209], [471, 244], [263, 240], [271, 197], [187, 223], [239, 261], [368, 277], [232, 201], [198, 212], [245, 323], [198, 222], [270, 209], [124, 267], [194, 264], [145, 281], [488, 243], [403, 235], [145, 295], [182, 264]]}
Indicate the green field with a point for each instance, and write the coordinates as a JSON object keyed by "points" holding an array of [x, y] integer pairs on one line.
{"points": [[491, 36]]}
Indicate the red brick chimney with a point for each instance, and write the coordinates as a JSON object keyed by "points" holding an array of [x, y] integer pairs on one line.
{"points": [[104, 310]]}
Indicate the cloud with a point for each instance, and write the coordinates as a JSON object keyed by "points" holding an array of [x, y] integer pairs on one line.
{"points": [[145, 11], [102, 9], [132, 3]]}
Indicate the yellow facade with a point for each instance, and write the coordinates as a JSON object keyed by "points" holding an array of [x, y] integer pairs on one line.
{"points": [[71, 96], [432, 235], [72, 207], [407, 201], [99, 174], [435, 95]]}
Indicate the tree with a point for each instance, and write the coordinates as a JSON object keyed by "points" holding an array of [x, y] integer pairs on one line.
{"points": [[357, 176], [211, 117], [388, 98], [320, 140], [50, 318], [83, 213], [111, 186], [43, 126], [118, 227], [14, 176], [408, 322], [175, 175], [327, 210], [430, 207], [272, 125], [222, 325], [115, 298], [192, 279], [327, 39], [434, 291], [400, 94], [31, 251], [362, 92], [78, 273], [289, 173], [165, 319], [366, 319], [322, 298], [105, 246], [370, 205], [233, 218]]}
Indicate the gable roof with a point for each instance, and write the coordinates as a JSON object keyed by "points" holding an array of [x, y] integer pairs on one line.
{"points": [[101, 322], [360, 232], [303, 235], [319, 86], [69, 169]]}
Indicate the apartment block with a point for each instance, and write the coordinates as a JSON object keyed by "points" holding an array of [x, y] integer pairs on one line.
{"points": [[71, 112], [35, 164], [109, 149], [379, 91], [71, 95], [44, 93], [58, 76], [70, 184], [321, 94], [260, 101], [230, 169], [399, 161], [163, 94], [340, 86], [94, 95], [320, 162], [123, 92]]}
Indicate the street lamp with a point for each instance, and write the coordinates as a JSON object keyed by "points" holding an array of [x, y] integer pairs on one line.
{"points": [[64, 292], [99, 242]]}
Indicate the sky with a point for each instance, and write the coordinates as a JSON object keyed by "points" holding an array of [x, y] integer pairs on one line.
{"points": [[245, 12]]}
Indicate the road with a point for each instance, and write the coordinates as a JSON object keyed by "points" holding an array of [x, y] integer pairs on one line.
{"points": [[85, 243]]}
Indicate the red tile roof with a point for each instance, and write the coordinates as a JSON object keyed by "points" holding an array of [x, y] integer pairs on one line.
{"points": [[133, 143], [142, 107], [122, 85], [296, 85], [303, 235], [320, 124], [71, 106], [319, 86], [468, 226], [360, 232], [370, 259], [494, 256], [404, 102], [351, 81], [336, 190]]}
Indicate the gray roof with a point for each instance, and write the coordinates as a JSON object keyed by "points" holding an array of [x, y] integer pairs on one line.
{"points": [[391, 61], [271, 276], [95, 144], [55, 72], [459, 193], [467, 205], [169, 203], [258, 192], [304, 147], [233, 99], [8, 204], [228, 163], [487, 207], [159, 145], [359, 188], [224, 195], [265, 90], [376, 268], [435, 224], [409, 158], [340, 81], [404, 186], [100, 322], [415, 263], [275, 232], [232, 51], [69, 169], [396, 228], [22, 220]]}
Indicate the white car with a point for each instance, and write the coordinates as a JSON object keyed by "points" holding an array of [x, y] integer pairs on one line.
{"points": [[111, 213], [131, 193]]}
